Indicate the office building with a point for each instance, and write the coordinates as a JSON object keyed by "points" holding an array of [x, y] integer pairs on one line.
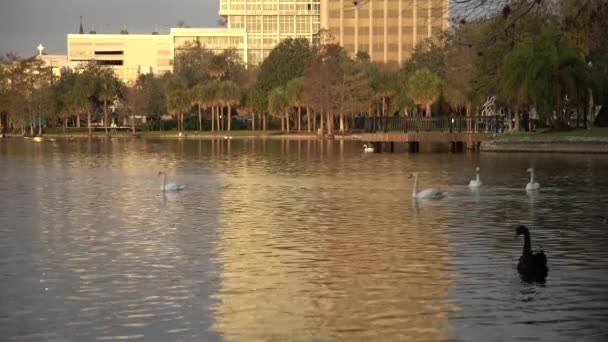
{"points": [[388, 30], [128, 54]]}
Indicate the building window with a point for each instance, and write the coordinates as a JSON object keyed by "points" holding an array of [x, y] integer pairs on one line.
{"points": [[302, 24], [236, 22], [271, 23], [286, 24], [254, 24], [114, 53]]}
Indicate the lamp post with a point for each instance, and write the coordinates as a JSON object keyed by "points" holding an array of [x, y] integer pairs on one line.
{"points": [[591, 111]]}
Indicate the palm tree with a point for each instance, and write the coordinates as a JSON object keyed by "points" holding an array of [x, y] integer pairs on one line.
{"points": [[178, 99], [424, 87], [231, 93], [384, 84], [279, 103], [201, 95], [108, 87], [294, 90]]}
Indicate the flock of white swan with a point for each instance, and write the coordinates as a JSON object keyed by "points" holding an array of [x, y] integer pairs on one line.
{"points": [[438, 194], [430, 193], [473, 184]]}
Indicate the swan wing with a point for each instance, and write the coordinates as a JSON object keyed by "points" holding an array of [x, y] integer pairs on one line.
{"points": [[540, 257], [430, 193], [474, 183], [174, 187], [532, 186]]}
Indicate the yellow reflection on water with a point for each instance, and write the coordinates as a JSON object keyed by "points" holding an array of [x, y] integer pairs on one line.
{"points": [[304, 259]]}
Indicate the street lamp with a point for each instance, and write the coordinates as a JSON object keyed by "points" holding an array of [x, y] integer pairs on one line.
{"points": [[591, 116]]}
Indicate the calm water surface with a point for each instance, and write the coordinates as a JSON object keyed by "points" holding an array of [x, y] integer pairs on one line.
{"points": [[301, 241]]}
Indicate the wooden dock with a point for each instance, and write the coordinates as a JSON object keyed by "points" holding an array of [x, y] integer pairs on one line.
{"points": [[459, 132]]}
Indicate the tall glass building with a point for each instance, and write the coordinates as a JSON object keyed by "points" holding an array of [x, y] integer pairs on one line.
{"points": [[267, 22]]}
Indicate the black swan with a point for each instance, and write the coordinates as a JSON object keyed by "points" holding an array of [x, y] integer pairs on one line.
{"points": [[531, 266]]}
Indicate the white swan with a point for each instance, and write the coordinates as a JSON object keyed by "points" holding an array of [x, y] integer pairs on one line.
{"points": [[367, 149], [426, 193], [532, 185], [227, 137], [37, 139], [476, 183], [164, 186]]}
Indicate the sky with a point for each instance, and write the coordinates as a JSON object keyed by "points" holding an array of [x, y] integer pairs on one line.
{"points": [[26, 23]]}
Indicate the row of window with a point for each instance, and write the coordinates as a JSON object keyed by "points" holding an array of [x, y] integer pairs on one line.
{"points": [[269, 5], [238, 52], [297, 24], [270, 41], [379, 48], [349, 14], [379, 31], [210, 41]]}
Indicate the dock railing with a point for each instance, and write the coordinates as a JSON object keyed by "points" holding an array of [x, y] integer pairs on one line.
{"points": [[445, 124]]}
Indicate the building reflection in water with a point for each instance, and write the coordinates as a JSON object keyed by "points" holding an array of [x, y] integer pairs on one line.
{"points": [[304, 258]]}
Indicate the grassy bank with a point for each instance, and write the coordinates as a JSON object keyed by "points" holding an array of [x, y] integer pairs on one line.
{"points": [[595, 132], [244, 134], [576, 141]]}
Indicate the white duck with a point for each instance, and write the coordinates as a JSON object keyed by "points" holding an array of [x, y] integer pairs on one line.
{"points": [[367, 149], [532, 185], [476, 183], [426, 193], [164, 186]]}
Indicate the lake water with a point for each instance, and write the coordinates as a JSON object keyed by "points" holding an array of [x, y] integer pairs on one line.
{"points": [[294, 240]]}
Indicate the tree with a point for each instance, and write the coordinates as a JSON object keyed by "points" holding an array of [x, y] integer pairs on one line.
{"points": [[294, 90], [459, 70], [178, 98], [108, 87], [285, 62], [350, 91], [543, 70], [424, 87], [384, 83], [278, 103], [258, 102], [428, 54], [230, 94]]}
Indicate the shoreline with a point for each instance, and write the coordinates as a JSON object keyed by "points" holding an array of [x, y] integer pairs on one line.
{"points": [[538, 144], [533, 143], [193, 136]]}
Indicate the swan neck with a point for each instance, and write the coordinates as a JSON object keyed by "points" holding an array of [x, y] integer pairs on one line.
{"points": [[164, 181], [477, 177], [527, 244], [414, 189], [531, 176]]}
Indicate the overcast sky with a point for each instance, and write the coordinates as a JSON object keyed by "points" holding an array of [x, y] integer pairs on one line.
{"points": [[26, 23]]}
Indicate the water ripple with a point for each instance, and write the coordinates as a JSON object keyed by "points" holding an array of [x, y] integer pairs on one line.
{"points": [[294, 240]]}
